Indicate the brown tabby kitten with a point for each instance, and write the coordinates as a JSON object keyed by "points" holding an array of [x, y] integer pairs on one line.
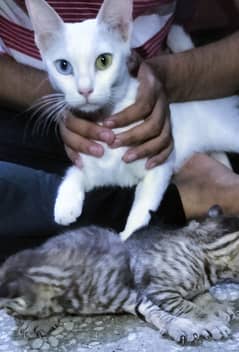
{"points": [[163, 276]]}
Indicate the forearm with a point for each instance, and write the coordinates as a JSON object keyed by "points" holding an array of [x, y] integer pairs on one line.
{"points": [[21, 85], [210, 71]]}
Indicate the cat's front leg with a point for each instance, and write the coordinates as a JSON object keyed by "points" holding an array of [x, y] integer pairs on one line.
{"points": [[148, 195], [70, 197], [189, 312], [179, 329]]}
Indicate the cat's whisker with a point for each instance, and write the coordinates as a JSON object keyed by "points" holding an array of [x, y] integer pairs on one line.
{"points": [[46, 98], [46, 118], [44, 102], [34, 129], [41, 103], [50, 116], [58, 115], [58, 118], [37, 108]]}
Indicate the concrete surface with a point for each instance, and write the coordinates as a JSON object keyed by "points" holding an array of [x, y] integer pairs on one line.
{"points": [[120, 333]]}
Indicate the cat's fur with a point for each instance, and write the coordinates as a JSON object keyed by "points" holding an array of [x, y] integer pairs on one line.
{"points": [[161, 275], [196, 126]]}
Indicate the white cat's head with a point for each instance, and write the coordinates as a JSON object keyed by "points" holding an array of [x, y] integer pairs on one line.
{"points": [[86, 61]]}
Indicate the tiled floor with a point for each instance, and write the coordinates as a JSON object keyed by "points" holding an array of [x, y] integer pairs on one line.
{"points": [[111, 334]]}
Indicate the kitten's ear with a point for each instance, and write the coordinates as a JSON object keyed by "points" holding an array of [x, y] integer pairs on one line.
{"points": [[117, 15], [46, 22], [215, 211]]}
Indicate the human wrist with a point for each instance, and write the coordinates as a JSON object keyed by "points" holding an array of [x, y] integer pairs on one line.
{"points": [[200, 73], [175, 72], [161, 67]]}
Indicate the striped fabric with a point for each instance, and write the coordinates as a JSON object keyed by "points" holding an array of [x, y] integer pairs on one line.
{"points": [[152, 20]]}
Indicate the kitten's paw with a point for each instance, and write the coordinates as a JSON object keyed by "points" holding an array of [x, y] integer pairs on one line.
{"points": [[183, 331], [226, 314], [37, 328], [215, 330], [68, 209]]}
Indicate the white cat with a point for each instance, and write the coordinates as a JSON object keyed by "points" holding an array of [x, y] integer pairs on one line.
{"points": [[87, 61]]}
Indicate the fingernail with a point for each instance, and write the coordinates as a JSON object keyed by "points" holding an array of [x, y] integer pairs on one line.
{"points": [[109, 123], [96, 151], [107, 136], [130, 157], [116, 144], [150, 165]]}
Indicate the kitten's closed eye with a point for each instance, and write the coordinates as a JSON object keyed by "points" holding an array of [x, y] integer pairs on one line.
{"points": [[9, 290]]}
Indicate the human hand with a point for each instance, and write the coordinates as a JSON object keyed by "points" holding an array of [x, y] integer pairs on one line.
{"points": [[79, 136], [152, 138]]}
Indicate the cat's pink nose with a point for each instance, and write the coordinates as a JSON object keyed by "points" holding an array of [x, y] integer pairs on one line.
{"points": [[85, 92]]}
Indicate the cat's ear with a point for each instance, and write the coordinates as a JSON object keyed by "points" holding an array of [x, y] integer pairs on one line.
{"points": [[117, 15], [215, 211], [46, 23]]}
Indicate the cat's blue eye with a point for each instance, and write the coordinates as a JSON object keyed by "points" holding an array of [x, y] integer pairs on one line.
{"points": [[64, 67]]}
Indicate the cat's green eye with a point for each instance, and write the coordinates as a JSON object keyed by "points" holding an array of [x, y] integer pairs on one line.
{"points": [[103, 61]]}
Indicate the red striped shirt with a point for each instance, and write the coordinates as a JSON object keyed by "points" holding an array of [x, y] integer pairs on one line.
{"points": [[17, 37]]}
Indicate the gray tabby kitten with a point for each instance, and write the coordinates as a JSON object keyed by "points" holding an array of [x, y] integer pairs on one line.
{"points": [[163, 276]]}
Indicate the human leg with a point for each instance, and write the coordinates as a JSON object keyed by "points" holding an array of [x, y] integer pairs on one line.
{"points": [[27, 195]]}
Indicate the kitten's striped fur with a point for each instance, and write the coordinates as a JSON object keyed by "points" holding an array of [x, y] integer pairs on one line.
{"points": [[161, 275]]}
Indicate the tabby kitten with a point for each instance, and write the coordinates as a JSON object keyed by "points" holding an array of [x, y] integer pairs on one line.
{"points": [[163, 276]]}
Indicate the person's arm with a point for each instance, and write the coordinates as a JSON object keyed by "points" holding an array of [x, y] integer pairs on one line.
{"points": [[21, 85], [210, 71]]}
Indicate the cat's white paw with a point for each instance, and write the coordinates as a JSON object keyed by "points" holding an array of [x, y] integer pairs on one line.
{"points": [[124, 235], [183, 330], [217, 330], [68, 209]]}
